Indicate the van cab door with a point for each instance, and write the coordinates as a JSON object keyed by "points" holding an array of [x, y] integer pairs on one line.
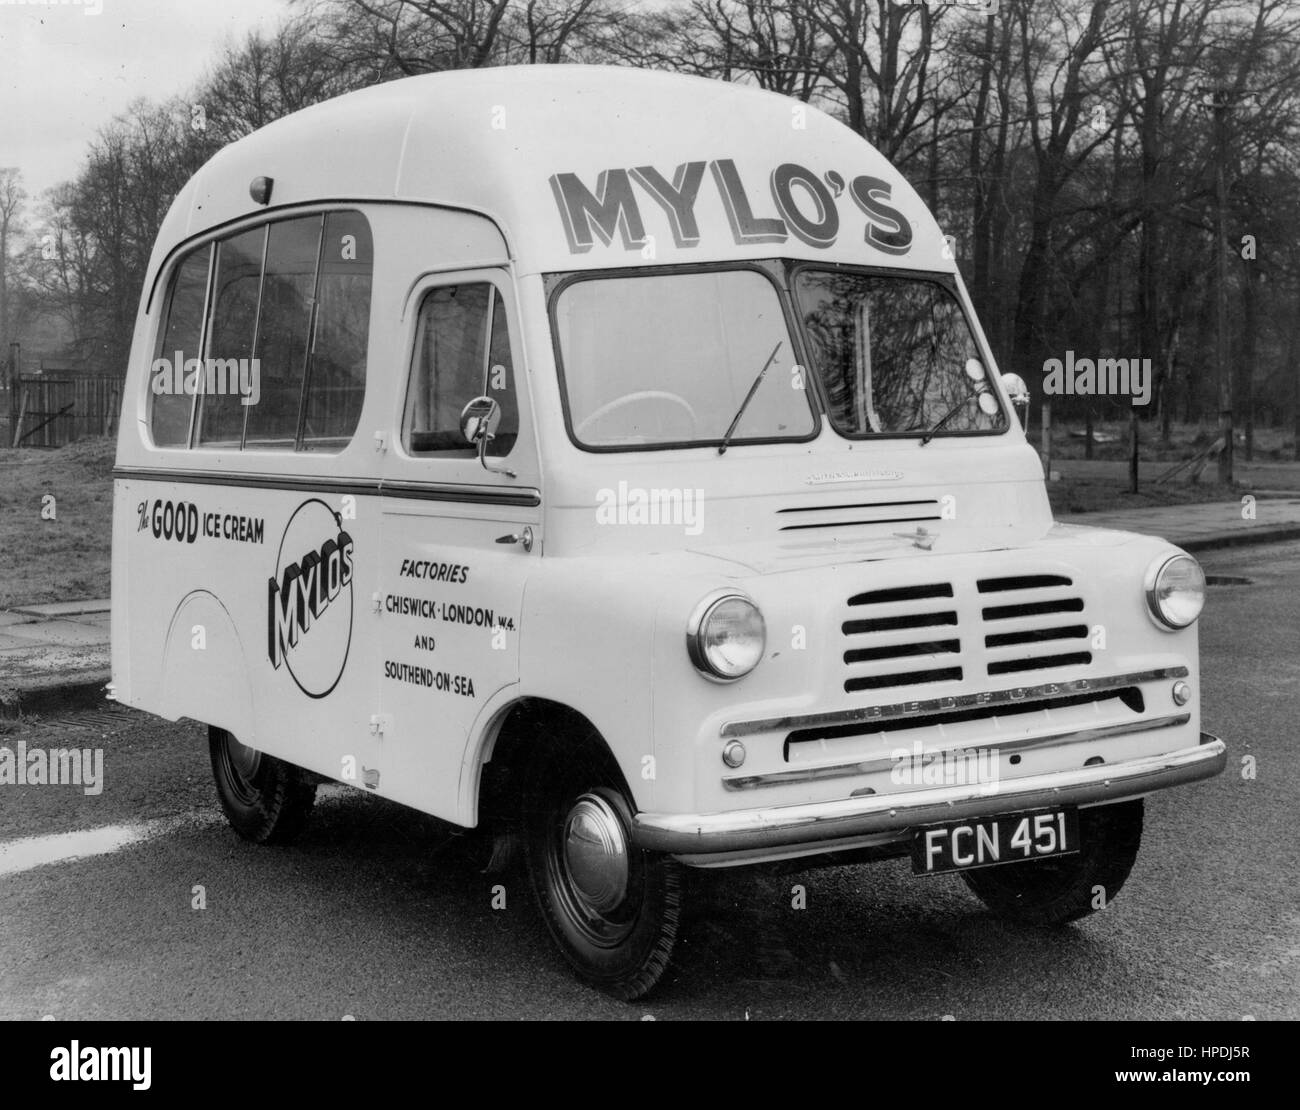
{"points": [[459, 539]]}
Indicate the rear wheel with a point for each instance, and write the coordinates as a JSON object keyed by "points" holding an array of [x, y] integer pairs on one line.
{"points": [[1060, 889], [612, 908], [265, 799]]}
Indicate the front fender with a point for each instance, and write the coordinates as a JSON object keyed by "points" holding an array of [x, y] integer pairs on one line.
{"points": [[589, 637]]}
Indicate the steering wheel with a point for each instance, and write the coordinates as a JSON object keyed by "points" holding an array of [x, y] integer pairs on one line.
{"points": [[635, 398]]}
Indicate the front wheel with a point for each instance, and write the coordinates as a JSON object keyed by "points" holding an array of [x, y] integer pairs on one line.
{"points": [[1055, 891], [612, 908], [265, 799]]}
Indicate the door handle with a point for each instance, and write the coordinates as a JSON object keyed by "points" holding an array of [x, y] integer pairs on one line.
{"points": [[525, 537]]}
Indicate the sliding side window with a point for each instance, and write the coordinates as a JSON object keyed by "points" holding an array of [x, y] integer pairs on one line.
{"points": [[283, 338], [337, 380], [281, 363], [231, 334]]}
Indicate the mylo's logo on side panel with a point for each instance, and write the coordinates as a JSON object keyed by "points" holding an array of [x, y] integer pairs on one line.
{"points": [[804, 205], [309, 599]]}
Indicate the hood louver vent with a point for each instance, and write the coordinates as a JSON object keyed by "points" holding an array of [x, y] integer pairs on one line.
{"points": [[807, 518]]}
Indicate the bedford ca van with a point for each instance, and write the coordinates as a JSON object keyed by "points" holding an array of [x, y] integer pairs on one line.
{"points": [[613, 461]]}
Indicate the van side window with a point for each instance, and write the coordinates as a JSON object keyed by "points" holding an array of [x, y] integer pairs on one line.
{"points": [[336, 382], [283, 358], [292, 254], [462, 350], [179, 338], [231, 334]]}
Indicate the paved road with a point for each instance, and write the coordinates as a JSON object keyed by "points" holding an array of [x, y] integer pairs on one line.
{"points": [[379, 912]]}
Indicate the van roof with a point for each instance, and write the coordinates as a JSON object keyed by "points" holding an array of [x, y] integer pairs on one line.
{"points": [[585, 167]]}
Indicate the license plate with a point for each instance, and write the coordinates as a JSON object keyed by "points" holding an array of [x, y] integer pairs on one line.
{"points": [[988, 841]]}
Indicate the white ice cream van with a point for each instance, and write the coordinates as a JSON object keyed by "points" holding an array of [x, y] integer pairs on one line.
{"points": [[613, 460]]}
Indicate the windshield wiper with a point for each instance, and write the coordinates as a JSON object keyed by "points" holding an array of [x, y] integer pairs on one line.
{"points": [[726, 439], [930, 434]]}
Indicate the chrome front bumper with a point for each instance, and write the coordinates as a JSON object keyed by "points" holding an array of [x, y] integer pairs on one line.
{"points": [[783, 826]]}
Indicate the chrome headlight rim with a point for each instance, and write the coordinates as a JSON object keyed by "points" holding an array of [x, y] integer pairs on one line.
{"points": [[695, 626], [1155, 574]]}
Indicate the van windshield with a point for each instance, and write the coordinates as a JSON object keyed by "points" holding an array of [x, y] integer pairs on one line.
{"points": [[668, 359], [895, 355]]}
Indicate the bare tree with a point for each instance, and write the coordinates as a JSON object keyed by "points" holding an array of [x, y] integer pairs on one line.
{"points": [[12, 198], [1057, 84], [378, 40], [267, 76], [883, 53], [775, 44]]}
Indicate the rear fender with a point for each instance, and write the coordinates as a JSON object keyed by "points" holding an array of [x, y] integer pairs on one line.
{"points": [[204, 673]]}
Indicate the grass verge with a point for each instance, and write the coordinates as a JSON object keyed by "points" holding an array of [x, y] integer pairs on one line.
{"points": [[56, 550]]}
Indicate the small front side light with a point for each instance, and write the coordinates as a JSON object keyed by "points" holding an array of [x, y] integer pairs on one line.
{"points": [[733, 755]]}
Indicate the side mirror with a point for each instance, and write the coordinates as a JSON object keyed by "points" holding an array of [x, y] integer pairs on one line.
{"points": [[478, 424], [479, 420], [1019, 394]]}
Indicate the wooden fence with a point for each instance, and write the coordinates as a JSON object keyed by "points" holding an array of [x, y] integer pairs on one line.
{"points": [[52, 409]]}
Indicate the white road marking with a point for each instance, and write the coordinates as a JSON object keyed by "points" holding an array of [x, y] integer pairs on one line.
{"points": [[27, 853], [30, 852]]}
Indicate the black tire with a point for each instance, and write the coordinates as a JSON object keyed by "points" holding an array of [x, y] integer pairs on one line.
{"points": [[265, 799], [1050, 893], [622, 949]]}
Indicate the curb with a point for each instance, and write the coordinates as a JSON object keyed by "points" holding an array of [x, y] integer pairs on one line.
{"points": [[1242, 537], [85, 690], [1245, 538]]}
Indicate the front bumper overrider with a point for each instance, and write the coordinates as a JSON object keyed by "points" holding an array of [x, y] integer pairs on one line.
{"points": [[775, 827]]}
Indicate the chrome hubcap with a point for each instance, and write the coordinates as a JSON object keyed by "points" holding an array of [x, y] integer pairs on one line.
{"points": [[595, 853]]}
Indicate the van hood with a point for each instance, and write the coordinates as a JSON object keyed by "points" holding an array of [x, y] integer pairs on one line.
{"points": [[909, 542], [787, 507]]}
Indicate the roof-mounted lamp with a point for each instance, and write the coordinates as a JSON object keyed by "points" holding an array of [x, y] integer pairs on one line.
{"points": [[260, 189]]}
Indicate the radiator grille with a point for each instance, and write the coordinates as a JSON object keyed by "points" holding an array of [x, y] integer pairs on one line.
{"points": [[1039, 613], [908, 636], [892, 638]]}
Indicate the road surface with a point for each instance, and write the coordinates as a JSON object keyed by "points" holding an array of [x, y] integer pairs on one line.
{"points": [[381, 913]]}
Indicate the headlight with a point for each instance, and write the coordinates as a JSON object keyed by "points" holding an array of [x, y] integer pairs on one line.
{"points": [[1176, 591], [726, 636]]}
